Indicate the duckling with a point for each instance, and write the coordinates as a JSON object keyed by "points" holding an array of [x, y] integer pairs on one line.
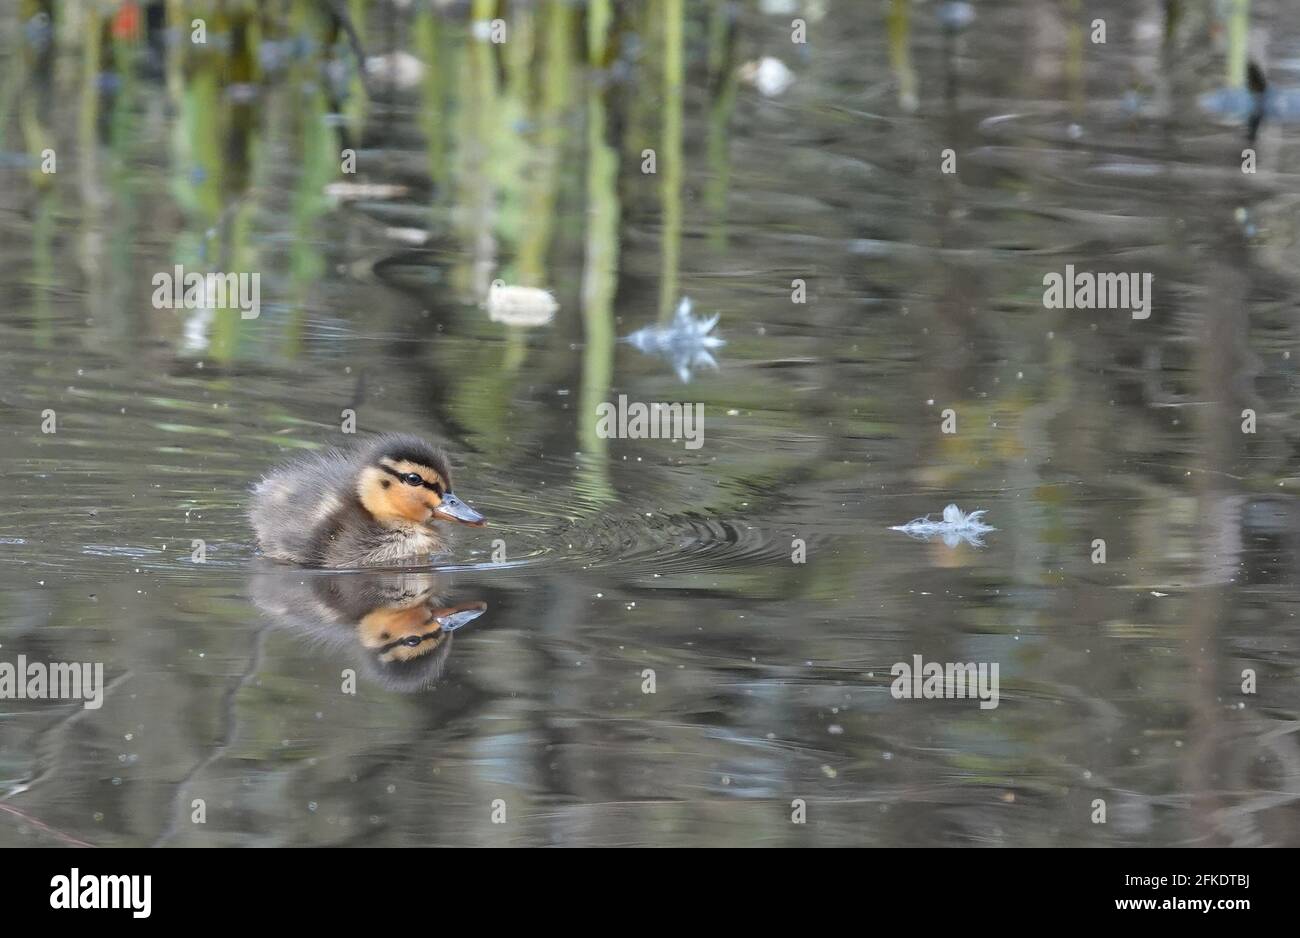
{"points": [[374, 505], [397, 624]]}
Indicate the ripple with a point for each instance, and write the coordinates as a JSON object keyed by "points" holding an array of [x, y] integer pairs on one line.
{"points": [[675, 543]]}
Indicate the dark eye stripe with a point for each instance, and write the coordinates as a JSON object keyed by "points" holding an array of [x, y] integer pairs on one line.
{"points": [[434, 486], [406, 640]]}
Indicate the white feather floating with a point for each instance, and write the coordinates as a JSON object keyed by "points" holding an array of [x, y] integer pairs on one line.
{"points": [[956, 526], [686, 343]]}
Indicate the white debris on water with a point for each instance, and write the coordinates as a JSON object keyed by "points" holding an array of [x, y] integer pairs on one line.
{"points": [[352, 191], [520, 306], [770, 76], [396, 69], [955, 15], [955, 527], [685, 342]]}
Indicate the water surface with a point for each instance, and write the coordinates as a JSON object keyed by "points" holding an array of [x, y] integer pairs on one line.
{"points": [[612, 562]]}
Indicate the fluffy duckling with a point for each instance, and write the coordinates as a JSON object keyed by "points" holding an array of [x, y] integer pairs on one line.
{"points": [[374, 505]]}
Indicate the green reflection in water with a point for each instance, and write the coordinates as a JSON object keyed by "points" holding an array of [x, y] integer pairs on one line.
{"points": [[599, 276], [1238, 35], [670, 158], [900, 53]]}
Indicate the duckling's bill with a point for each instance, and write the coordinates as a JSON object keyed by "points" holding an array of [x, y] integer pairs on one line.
{"points": [[452, 508], [451, 620]]}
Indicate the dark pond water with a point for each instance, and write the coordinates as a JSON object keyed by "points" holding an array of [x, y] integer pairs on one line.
{"points": [[611, 564]]}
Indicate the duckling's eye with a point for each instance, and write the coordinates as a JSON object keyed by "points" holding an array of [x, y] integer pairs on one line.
{"points": [[413, 478]]}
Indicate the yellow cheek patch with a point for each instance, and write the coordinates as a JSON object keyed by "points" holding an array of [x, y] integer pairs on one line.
{"points": [[401, 633], [409, 504], [392, 624], [392, 501]]}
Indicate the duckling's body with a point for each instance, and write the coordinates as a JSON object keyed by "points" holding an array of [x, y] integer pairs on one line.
{"points": [[375, 505]]}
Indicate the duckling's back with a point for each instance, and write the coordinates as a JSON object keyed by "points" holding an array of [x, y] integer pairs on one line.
{"points": [[294, 500]]}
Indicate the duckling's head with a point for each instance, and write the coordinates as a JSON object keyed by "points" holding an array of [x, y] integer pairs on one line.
{"points": [[408, 645], [405, 482], [397, 633]]}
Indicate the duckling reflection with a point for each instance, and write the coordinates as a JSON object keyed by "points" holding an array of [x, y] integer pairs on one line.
{"points": [[399, 625]]}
